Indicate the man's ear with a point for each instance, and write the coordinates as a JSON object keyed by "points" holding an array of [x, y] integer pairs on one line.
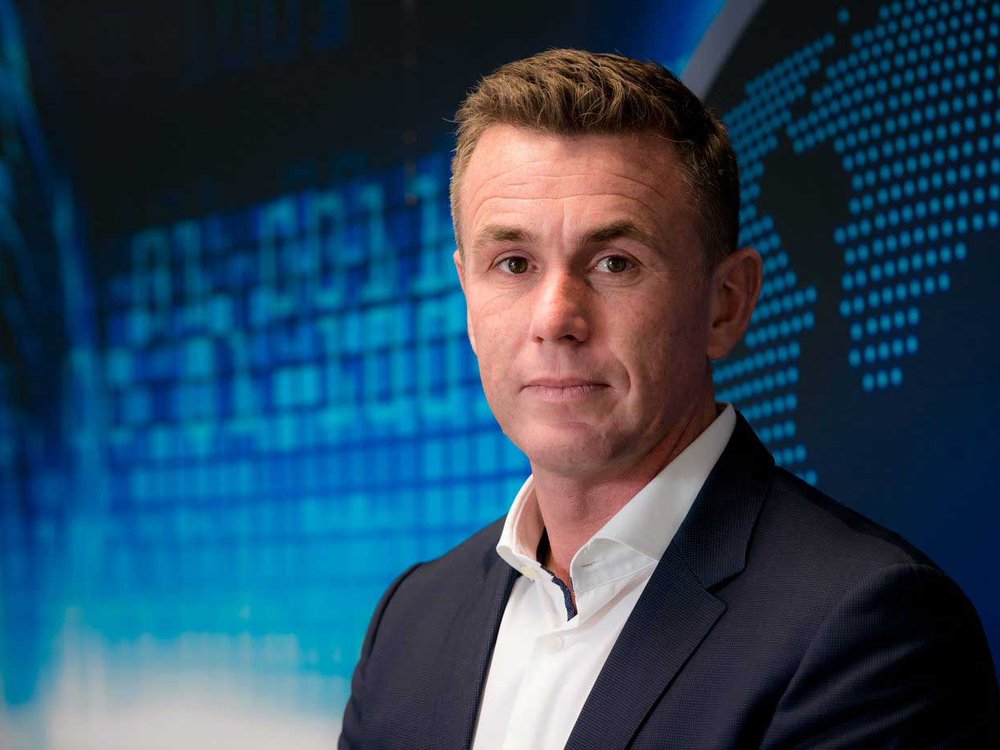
{"points": [[736, 282], [468, 318]]}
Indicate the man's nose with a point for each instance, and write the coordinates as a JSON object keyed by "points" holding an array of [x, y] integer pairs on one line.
{"points": [[559, 312]]}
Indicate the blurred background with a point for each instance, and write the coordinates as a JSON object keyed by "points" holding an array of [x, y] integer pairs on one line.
{"points": [[236, 397]]}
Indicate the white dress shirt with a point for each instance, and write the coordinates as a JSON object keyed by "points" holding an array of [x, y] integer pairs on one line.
{"points": [[544, 665]]}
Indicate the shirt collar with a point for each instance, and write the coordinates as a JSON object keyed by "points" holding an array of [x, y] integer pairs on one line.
{"points": [[646, 524], [522, 531]]}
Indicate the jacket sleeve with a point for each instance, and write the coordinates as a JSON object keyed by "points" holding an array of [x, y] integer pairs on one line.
{"points": [[351, 730], [901, 661]]}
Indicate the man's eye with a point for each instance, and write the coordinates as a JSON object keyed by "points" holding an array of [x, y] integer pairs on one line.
{"points": [[614, 264], [515, 265]]}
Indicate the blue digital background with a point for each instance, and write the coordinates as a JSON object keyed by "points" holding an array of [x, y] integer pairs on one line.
{"points": [[226, 423], [870, 153], [236, 396]]}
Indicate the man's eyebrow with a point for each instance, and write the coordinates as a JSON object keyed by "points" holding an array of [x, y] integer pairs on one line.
{"points": [[500, 233], [618, 230], [624, 229]]}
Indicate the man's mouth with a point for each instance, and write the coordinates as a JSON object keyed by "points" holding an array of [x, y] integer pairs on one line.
{"points": [[564, 389]]}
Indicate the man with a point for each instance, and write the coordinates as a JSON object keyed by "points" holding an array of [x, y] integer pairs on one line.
{"points": [[658, 582]]}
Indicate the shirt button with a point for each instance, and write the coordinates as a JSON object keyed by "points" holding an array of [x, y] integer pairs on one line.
{"points": [[553, 643], [530, 573]]}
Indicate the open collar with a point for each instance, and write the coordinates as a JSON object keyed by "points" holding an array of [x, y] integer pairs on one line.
{"points": [[674, 614], [677, 610], [645, 525]]}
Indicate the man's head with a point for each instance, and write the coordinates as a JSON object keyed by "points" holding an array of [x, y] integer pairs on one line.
{"points": [[573, 92], [591, 306]]}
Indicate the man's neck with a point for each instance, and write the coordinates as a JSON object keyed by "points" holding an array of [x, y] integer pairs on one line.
{"points": [[573, 509]]}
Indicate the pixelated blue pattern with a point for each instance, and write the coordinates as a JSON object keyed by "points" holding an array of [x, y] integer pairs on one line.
{"points": [[911, 110], [46, 357], [273, 411], [297, 414]]}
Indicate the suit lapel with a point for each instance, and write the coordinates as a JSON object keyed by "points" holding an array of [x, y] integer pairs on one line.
{"points": [[676, 610], [466, 654], [670, 619]]}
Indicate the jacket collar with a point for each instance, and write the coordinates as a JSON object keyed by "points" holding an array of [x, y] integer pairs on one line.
{"points": [[671, 618], [467, 652], [676, 610], [714, 537]]}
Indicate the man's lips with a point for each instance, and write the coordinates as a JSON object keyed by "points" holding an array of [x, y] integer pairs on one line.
{"points": [[564, 389]]}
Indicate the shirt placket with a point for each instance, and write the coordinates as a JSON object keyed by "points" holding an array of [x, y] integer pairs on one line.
{"points": [[550, 657]]}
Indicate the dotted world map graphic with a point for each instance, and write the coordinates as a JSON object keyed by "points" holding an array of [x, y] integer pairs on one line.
{"points": [[873, 138]]}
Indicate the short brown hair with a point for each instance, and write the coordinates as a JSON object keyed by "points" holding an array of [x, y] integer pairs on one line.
{"points": [[573, 92]]}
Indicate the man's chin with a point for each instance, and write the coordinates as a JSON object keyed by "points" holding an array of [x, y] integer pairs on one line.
{"points": [[572, 450]]}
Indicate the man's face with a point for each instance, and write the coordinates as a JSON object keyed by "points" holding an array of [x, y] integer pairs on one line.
{"points": [[587, 293]]}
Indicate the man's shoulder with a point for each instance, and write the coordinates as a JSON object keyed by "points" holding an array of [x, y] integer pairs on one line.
{"points": [[419, 607], [814, 549], [847, 606], [468, 561], [808, 518], [787, 535], [472, 549]]}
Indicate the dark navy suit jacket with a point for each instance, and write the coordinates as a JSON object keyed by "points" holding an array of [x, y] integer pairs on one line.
{"points": [[776, 618]]}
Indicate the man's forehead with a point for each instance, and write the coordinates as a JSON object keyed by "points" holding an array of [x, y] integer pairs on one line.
{"points": [[505, 148], [624, 180], [515, 164]]}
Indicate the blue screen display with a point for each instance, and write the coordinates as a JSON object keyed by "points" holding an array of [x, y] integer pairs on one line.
{"points": [[225, 430]]}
